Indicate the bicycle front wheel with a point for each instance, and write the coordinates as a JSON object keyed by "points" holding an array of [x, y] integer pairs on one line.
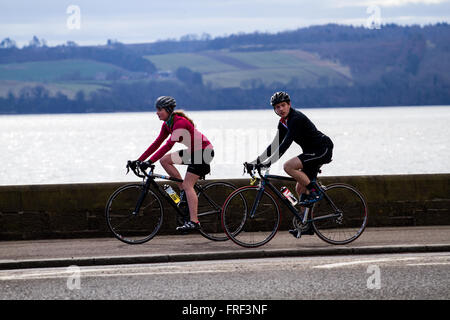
{"points": [[341, 216], [210, 201], [253, 222], [125, 223]]}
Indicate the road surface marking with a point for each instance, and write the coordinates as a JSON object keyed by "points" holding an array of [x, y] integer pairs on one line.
{"points": [[350, 263], [429, 264]]}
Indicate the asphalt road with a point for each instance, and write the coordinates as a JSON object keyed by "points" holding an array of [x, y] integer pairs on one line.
{"points": [[193, 247], [386, 276]]}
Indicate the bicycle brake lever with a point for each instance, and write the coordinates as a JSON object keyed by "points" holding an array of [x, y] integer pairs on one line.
{"points": [[245, 168]]}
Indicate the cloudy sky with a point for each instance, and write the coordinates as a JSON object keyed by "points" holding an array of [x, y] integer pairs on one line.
{"points": [[136, 21]]}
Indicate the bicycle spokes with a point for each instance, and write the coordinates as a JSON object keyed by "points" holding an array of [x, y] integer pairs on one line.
{"points": [[250, 229], [342, 216], [133, 223]]}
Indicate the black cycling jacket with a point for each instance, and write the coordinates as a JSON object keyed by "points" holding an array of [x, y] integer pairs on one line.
{"points": [[295, 128]]}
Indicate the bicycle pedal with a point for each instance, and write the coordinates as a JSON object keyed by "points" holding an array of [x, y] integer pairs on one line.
{"points": [[305, 204], [296, 233]]}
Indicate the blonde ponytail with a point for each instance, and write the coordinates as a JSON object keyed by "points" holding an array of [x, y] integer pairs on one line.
{"points": [[182, 114]]}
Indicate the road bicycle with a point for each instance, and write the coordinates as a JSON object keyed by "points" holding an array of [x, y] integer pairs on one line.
{"points": [[339, 217], [134, 212]]}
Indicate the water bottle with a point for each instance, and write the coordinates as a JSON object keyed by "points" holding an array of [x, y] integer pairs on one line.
{"points": [[171, 193], [288, 195]]}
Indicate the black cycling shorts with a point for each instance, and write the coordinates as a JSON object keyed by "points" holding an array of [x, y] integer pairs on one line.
{"points": [[313, 160], [197, 161]]}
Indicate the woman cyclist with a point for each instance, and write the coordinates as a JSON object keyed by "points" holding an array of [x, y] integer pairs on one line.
{"points": [[197, 156]]}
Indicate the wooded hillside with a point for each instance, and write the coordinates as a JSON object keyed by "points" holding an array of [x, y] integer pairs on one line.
{"points": [[320, 66]]}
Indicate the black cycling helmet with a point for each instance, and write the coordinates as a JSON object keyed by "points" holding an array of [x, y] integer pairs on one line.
{"points": [[165, 102], [279, 97]]}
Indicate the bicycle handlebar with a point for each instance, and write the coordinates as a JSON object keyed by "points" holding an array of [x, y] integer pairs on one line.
{"points": [[140, 172], [251, 169]]}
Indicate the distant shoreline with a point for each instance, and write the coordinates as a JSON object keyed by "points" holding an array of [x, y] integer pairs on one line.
{"points": [[215, 109]]}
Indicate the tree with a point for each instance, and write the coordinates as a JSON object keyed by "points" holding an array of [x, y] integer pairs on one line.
{"points": [[189, 77], [35, 42], [7, 43], [71, 44]]}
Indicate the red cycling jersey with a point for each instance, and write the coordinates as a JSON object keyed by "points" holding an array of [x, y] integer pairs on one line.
{"points": [[181, 130]]}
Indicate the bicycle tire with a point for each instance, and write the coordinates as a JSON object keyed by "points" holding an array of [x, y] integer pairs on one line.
{"points": [[129, 227], [210, 202], [350, 223], [246, 231]]}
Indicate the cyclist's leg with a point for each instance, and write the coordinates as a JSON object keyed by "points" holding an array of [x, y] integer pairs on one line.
{"points": [[300, 189], [293, 167], [296, 169], [168, 161], [312, 161], [199, 167], [188, 185]]}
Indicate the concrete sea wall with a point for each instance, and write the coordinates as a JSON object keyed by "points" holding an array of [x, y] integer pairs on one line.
{"points": [[77, 210]]}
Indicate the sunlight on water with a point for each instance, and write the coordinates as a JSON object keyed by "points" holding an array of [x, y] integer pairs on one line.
{"points": [[79, 148]]}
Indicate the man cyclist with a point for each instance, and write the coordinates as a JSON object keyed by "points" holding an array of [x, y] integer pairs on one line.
{"points": [[317, 148]]}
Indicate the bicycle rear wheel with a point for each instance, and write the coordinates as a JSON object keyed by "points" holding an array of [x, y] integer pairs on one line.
{"points": [[344, 218], [129, 226], [210, 201], [253, 222]]}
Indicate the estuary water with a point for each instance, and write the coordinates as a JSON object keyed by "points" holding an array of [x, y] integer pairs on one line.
{"points": [[90, 148]]}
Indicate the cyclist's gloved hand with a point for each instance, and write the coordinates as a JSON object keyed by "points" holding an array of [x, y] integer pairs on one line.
{"points": [[264, 164], [145, 165], [249, 166], [132, 164]]}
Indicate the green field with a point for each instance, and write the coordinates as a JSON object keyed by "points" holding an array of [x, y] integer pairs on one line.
{"points": [[55, 75], [220, 69], [196, 62], [67, 88], [244, 69], [54, 70]]}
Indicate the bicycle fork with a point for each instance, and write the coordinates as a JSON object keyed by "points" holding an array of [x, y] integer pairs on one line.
{"points": [[257, 200]]}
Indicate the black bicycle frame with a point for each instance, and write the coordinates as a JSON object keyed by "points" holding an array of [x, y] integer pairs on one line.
{"points": [[150, 182], [266, 181]]}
